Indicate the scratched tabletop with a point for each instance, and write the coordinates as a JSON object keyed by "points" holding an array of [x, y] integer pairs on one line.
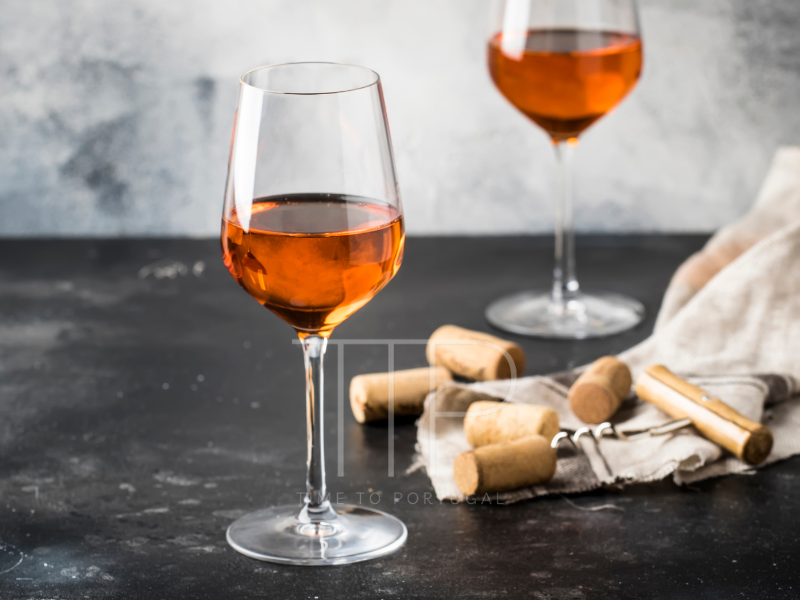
{"points": [[146, 401]]}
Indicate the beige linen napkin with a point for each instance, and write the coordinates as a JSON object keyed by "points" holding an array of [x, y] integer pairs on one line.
{"points": [[730, 315]]}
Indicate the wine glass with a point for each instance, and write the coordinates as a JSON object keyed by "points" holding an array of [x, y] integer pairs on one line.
{"points": [[564, 64], [312, 228]]}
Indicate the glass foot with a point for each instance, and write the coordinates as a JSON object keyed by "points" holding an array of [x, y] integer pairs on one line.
{"points": [[586, 316], [345, 534]]}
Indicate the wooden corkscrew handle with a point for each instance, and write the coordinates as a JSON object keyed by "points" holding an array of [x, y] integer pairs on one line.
{"points": [[751, 442]]}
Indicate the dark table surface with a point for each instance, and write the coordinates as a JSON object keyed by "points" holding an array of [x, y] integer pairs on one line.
{"points": [[142, 410]]}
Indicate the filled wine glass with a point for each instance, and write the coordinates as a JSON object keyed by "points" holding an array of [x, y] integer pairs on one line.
{"points": [[312, 228], [564, 64]]}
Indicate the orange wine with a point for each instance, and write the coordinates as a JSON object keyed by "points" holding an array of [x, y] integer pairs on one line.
{"points": [[313, 259], [564, 80]]}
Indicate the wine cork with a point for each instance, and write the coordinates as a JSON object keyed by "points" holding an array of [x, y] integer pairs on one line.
{"points": [[473, 354], [369, 394], [495, 422], [507, 466], [599, 391]]}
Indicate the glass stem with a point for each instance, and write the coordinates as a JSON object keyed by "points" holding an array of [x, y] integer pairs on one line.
{"points": [[317, 507], [565, 283]]}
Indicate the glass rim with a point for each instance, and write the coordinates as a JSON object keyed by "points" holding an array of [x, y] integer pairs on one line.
{"points": [[309, 62]]}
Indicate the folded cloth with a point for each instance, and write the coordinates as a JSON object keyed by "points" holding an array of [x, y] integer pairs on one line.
{"points": [[730, 315]]}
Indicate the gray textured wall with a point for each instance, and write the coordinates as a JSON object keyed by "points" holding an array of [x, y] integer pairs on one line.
{"points": [[115, 117]]}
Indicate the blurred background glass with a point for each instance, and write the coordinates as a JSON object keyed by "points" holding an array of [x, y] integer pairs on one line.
{"points": [[565, 64]]}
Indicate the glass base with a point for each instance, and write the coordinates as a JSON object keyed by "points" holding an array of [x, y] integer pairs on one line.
{"points": [[585, 316], [345, 534]]}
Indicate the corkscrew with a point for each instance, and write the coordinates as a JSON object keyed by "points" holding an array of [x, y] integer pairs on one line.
{"points": [[607, 429], [691, 406]]}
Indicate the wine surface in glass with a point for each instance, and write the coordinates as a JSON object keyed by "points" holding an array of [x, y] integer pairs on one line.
{"points": [[314, 259], [562, 79]]}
